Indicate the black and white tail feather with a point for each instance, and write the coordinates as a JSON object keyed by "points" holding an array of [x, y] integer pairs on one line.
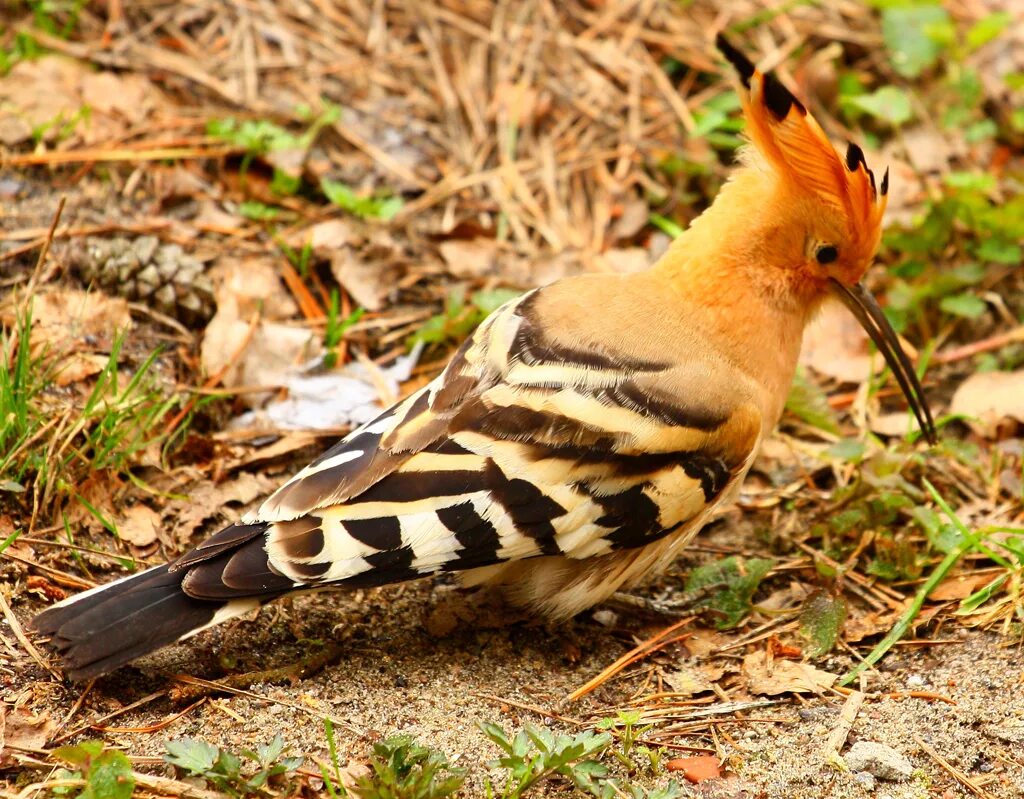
{"points": [[530, 448]]}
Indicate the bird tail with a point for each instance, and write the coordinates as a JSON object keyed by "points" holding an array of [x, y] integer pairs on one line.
{"points": [[101, 629]]}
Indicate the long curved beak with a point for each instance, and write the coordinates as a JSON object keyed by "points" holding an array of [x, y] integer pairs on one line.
{"points": [[863, 306]]}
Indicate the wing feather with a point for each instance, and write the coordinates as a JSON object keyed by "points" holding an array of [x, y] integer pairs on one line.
{"points": [[527, 445]]}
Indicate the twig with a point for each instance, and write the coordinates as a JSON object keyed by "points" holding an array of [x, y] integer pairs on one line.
{"points": [[845, 723], [157, 726], [45, 249], [531, 708], [97, 154], [75, 707], [958, 775], [643, 649], [977, 347], [19, 633], [119, 712], [292, 671], [215, 686]]}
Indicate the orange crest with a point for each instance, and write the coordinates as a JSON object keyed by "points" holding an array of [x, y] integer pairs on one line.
{"points": [[793, 143]]}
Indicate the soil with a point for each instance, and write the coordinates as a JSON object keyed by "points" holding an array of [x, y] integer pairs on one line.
{"points": [[400, 671]]}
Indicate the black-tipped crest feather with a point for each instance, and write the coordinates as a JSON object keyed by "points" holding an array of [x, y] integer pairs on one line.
{"points": [[743, 65]]}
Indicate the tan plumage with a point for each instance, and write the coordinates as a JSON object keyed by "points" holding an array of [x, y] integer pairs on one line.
{"points": [[581, 436]]}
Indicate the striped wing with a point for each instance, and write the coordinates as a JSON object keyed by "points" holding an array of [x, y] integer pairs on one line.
{"points": [[524, 446]]}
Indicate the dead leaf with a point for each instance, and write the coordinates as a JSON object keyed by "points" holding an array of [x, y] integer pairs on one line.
{"points": [[959, 587], [836, 346], [861, 626], [273, 353], [367, 281], [697, 769], [990, 398], [252, 284], [127, 94], [634, 217], [894, 425], [23, 730], [49, 94], [470, 258], [703, 642], [208, 500], [343, 398], [138, 526], [78, 366], [326, 237], [62, 318], [783, 676], [694, 679]]}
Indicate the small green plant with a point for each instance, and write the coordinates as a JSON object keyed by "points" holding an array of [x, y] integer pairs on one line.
{"points": [[58, 18], [808, 402], [107, 773], [223, 770], [625, 726], [383, 207], [966, 221], [61, 123], [105, 434], [403, 769], [336, 327], [258, 137], [821, 620], [332, 778], [535, 754], [300, 259], [726, 587], [459, 317]]}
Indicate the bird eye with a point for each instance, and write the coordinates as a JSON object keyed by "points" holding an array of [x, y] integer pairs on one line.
{"points": [[826, 254]]}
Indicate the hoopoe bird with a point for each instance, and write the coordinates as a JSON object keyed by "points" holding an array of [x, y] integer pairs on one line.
{"points": [[581, 436]]}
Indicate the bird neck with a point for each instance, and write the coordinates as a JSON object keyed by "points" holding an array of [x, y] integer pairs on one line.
{"points": [[752, 308]]}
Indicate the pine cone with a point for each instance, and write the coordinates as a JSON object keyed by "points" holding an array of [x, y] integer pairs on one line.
{"points": [[161, 276]]}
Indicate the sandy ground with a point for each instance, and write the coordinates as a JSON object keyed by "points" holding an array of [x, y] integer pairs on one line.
{"points": [[401, 673]]}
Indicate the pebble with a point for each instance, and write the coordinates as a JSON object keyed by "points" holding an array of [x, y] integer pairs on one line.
{"points": [[865, 780], [879, 760], [916, 681]]}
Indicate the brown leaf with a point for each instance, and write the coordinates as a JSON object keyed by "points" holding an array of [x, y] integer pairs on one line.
{"points": [[783, 676], [694, 679], [272, 353], [208, 500], [697, 769], [991, 397], [959, 587], [836, 346], [251, 284], [367, 281], [23, 730], [470, 258], [861, 626], [139, 525], [326, 237], [62, 318]]}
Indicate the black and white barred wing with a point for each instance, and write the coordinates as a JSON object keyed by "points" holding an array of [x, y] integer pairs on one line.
{"points": [[523, 447]]}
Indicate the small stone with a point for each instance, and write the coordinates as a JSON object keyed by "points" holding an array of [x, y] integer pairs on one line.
{"points": [[865, 780], [879, 760], [915, 681]]}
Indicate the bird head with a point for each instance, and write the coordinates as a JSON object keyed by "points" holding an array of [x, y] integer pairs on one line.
{"points": [[825, 217]]}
